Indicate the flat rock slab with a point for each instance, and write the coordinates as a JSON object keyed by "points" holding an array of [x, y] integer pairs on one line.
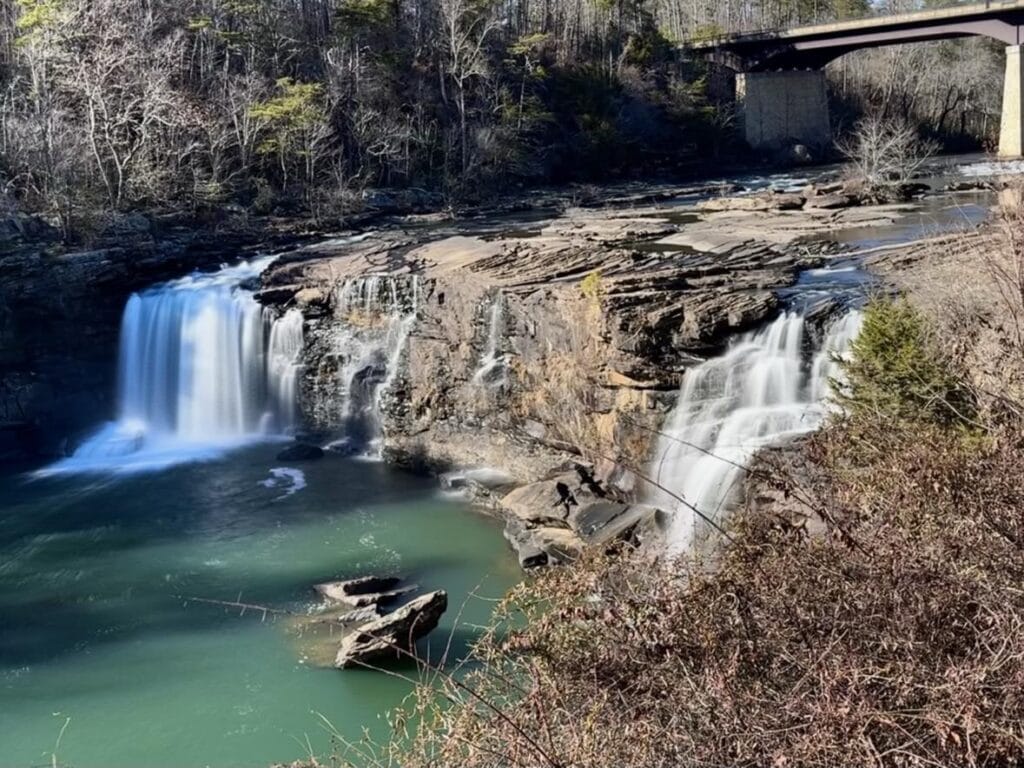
{"points": [[393, 636]]}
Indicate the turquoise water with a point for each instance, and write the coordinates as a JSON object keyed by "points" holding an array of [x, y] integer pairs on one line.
{"points": [[95, 631]]}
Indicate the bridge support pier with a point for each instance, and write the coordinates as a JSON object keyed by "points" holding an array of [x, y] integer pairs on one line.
{"points": [[781, 108], [1011, 128]]}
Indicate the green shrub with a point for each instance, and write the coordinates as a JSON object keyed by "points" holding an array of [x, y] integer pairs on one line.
{"points": [[895, 370]]}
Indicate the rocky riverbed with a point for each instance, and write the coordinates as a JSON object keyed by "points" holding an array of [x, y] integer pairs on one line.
{"points": [[528, 358]]}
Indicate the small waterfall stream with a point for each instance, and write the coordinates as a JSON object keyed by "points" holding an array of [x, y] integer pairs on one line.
{"points": [[491, 371], [760, 392], [202, 366], [375, 315]]}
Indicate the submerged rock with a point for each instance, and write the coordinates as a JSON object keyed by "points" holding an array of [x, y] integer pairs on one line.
{"points": [[361, 586], [393, 635], [301, 452]]}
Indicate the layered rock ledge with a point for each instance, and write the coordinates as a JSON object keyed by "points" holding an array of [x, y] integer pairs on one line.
{"points": [[542, 344]]}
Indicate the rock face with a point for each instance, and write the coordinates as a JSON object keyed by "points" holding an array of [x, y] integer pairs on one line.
{"points": [[394, 635], [522, 348], [527, 345]]}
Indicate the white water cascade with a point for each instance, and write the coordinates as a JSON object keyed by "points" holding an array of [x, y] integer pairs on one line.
{"points": [[284, 366], [759, 393], [375, 315], [202, 367], [491, 371]]}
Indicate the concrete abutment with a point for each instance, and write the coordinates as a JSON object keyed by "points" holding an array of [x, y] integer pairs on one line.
{"points": [[779, 109], [1011, 128]]}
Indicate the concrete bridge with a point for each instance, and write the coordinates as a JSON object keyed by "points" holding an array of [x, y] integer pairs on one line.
{"points": [[780, 83]]}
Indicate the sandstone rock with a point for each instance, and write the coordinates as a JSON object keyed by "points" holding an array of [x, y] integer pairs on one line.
{"points": [[787, 202], [617, 379], [553, 499], [831, 201], [604, 521], [336, 590], [310, 297], [363, 599], [817, 190], [394, 635], [748, 203], [543, 545], [301, 452]]}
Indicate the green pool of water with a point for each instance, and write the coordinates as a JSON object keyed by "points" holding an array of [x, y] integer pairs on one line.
{"points": [[95, 633]]}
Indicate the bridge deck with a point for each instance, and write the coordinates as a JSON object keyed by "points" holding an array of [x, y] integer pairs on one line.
{"points": [[871, 23]]}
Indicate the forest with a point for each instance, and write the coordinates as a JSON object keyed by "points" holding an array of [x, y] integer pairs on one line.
{"points": [[308, 106]]}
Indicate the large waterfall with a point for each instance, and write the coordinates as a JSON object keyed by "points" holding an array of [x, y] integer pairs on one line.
{"points": [[202, 367], [763, 390]]}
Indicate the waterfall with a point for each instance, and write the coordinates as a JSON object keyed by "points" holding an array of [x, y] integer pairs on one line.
{"points": [[284, 365], [202, 366], [759, 393], [375, 315], [491, 371]]}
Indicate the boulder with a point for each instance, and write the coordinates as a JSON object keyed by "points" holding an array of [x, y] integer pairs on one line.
{"points": [[363, 586], [542, 545], [785, 201], [393, 635], [364, 592], [301, 452], [551, 500], [605, 521], [748, 203]]}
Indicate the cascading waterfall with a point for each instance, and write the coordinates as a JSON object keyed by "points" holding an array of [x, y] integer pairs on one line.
{"points": [[491, 371], [759, 393], [284, 366], [375, 315], [202, 367]]}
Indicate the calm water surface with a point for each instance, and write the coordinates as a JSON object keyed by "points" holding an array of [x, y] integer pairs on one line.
{"points": [[94, 630]]}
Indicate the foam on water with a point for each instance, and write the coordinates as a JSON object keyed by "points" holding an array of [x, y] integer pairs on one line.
{"points": [[288, 479]]}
